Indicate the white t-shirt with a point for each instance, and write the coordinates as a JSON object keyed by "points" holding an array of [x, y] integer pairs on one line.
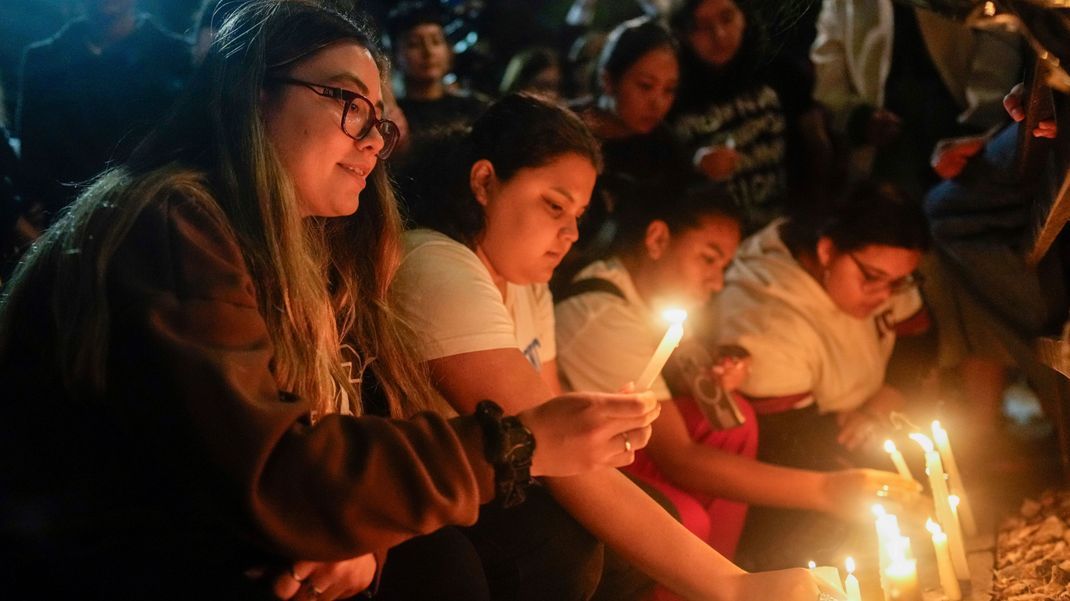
{"points": [[447, 294], [605, 341], [799, 340]]}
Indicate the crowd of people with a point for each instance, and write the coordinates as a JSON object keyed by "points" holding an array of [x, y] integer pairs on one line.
{"points": [[291, 309]]}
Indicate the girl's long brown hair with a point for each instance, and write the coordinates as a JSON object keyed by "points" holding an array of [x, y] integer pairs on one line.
{"points": [[319, 282]]}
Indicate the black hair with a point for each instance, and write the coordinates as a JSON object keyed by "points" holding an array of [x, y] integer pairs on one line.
{"points": [[412, 13], [641, 202], [630, 41], [517, 132], [525, 65], [870, 213]]}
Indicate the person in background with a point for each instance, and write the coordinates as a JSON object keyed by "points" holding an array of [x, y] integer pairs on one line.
{"points": [[89, 93], [423, 59], [497, 214], [674, 253], [536, 70], [873, 59], [818, 301], [727, 115], [172, 352]]}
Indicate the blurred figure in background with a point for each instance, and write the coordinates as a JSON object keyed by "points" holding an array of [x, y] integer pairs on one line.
{"points": [[422, 60], [89, 94], [536, 70]]}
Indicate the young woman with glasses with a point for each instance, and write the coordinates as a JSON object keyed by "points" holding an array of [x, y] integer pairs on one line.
{"points": [[180, 418], [818, 303]]}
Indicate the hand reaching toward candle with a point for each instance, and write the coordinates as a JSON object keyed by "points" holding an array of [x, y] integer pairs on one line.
{"points": [[860, 425], [795, 584], [851, 493]]}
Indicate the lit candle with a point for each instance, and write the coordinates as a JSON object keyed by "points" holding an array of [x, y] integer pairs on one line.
{"points": [[948, 581], [901, 580], [676, 318], [946, 517], [854, 592], [887, 532], [897, 459], [943, 444]]}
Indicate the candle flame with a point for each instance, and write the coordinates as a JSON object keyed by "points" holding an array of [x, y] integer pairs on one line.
{"points": [[990, 9], [811, 564], [889, 446], [953, 501], [932, 526], [850, 563], [674, 316], [923, 440]]}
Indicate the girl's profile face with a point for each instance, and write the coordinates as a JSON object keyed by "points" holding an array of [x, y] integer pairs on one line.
{"points": [[693, 265], [645, 91], [717, 31], [531, 217], [861, 280], [328, 168]]}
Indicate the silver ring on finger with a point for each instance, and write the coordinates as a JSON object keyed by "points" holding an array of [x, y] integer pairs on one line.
{"points": [[627, 443]]}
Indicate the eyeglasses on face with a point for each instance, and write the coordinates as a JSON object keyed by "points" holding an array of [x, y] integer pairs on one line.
{"points": [[872, 282], [358, 113]]}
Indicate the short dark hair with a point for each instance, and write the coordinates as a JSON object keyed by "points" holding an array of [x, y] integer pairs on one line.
{"points": [[641, 202], [409, 14], [630, 41], [519, 131], [870, 213]]}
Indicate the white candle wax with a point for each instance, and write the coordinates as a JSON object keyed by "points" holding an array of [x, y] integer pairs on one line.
{"points": [[897, 459], [668, 344], [943, 444], [830, 575], [850, 584], [948, 581], [901, 580], [944, 515]]}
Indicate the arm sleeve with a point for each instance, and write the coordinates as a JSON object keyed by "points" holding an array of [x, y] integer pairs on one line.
{"points": [[198, 385], [832, 85], [445, 293]]}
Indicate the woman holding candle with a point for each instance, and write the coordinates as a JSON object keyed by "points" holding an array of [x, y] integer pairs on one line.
{"points": [[503, 215], [676, 252], [175, 390], [818, 303]]}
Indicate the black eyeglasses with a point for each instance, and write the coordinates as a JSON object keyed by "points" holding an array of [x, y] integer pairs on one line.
{"points": [[358, 114], [875, 283]]}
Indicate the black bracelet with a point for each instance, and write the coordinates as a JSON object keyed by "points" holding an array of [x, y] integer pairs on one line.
{"points": [[508, 446]]}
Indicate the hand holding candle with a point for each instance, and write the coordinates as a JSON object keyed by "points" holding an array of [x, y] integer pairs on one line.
{"points": [[676, 318]]}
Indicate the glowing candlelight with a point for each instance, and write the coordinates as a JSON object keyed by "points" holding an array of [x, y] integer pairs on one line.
{"points": [[676, 318], [850, 584], [943, 444], [944, 513], [897, 459], [901, 580], [948, 580]]}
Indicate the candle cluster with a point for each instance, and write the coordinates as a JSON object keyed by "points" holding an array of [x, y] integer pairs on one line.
{"points": [[953, 515]]}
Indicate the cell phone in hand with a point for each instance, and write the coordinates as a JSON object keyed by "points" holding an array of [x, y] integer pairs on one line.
{"points": [[689, 372]]}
